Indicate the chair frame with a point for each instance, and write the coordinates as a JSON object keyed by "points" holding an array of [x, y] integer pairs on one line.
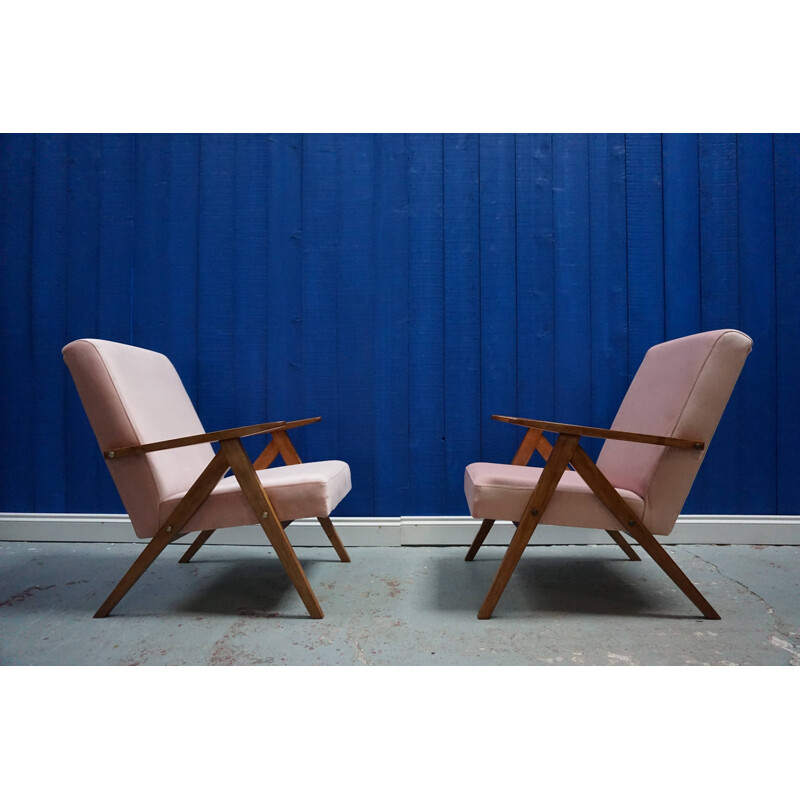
{"points": [[566, 453], [233, 456]]}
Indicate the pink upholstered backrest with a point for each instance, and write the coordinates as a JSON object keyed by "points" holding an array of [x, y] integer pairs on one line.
{"points": [[135, 396], [681, 390]]}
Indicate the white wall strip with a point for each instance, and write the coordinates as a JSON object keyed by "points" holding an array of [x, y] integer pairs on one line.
{"points": [[396, 531]]}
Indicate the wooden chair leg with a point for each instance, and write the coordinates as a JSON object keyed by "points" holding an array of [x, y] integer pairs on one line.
{"points": [[201, 539], [261, 505], [480, 538], [137, 569], [333, 536], [631, 523], [540, 497], [654, 549], [169, 530], [627, 549]]}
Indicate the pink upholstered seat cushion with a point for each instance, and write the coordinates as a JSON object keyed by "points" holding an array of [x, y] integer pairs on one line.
{"points": [[501, 491], [313, 489]]}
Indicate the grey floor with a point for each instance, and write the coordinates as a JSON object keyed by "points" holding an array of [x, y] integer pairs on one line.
{"points": [[565, 605]]}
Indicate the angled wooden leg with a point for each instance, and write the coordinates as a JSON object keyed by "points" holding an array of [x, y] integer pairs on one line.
{"points": [[627, 549], [265, 513], [169, 530], [480, 538], [551, 474], [631, 523], [201, 539], [331, 533]]}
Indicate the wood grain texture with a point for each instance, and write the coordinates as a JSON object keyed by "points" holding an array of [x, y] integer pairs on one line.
{"points": [[366, 278], [462, 311], [787, 291]]}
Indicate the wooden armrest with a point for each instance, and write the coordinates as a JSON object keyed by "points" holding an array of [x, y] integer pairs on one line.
{"points": [[200, 438], [601, 433], [285, 426]]}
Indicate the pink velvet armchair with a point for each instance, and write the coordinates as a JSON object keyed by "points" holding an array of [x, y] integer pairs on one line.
{"points": [[169, 477], [643, 473]]}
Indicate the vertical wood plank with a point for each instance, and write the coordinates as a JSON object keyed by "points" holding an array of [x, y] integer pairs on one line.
{"points": [[320, 268], [115, 237], [83, 252], [256, 306], [681, 235], [535, 277], [283, 309], [49, 276], [152, 284], [644, 210], [787, 284], [356, 307], [573, 368], [719, 258], [757, 386], [462, 315], [426, 324], [498, 294], [181, 165], [217, 380], [391, 467], [608, 279], [16, 291]]}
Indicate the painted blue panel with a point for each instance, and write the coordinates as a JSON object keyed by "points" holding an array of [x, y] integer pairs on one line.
{"points": [[217, 379], [498, 301], [535, 278], [320, 271], [49, 279], [255, 306], [462, 314], [645, 246], [16, 351], [573, 365], [681, 235], [391, 466], [151, 297], [608, 279], [94, 488], [179, 256], [116, 237], [355, 301], [426, 324], [787, 285], [756, 426], [397, 276], [719, 253], [282, 306]]}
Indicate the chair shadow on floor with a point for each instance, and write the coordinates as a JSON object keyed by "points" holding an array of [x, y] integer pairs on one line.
{"points": [[253, 583], [601, 583]]}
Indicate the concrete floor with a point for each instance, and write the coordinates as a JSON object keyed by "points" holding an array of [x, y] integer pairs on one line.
{"points": [[565, 605]]}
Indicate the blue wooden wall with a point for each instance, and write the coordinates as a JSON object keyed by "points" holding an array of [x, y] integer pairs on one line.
{"points": [[404, 287]]}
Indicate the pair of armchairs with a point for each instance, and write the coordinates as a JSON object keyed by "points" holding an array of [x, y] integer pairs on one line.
{"points": [[172, 482]]}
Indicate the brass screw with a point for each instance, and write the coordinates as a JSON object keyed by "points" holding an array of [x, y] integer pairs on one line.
{"points": [[169, 528], [698, 445], [111, 454], [264, 515]]}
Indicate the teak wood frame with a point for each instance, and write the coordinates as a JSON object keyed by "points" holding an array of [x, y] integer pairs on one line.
{"points": [[233, 456], [567, 453]]}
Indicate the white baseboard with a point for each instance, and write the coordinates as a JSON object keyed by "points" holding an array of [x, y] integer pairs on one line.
{"points": [[397, 531]]}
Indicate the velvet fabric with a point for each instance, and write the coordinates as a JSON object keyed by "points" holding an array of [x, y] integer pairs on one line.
{"points": [[680, 390], [135, 396]]}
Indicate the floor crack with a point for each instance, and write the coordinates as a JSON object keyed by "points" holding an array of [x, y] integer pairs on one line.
{"points": [[777, 623]]}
